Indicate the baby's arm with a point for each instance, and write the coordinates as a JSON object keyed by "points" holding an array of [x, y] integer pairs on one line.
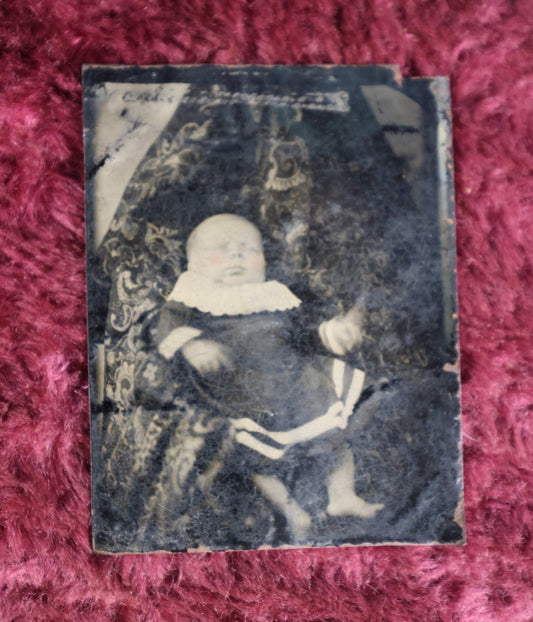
{"points": [[342, 333], [176, 339], [204, 355]]}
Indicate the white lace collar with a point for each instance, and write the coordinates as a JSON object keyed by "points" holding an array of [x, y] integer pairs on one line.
{"points": [[199, 292]]}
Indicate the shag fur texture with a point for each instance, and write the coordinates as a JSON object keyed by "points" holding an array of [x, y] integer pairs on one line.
{"points": [[47, 569]]}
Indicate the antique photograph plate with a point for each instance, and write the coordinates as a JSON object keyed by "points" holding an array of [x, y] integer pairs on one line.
{"points": [[273, 347]]}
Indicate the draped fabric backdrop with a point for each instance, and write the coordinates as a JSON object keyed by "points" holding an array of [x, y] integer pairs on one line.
{"points": [[47, 569]]}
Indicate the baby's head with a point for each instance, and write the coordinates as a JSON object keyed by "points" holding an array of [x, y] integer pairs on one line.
{"points": [[227, 249]]}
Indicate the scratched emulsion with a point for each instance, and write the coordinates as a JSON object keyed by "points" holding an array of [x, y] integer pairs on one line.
{"points": [[272, 312]]}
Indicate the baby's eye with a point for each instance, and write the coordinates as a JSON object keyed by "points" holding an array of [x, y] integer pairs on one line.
{"points": [[215, 248]]}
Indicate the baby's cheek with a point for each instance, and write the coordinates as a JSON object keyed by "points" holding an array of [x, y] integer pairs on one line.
{"points": [[257, 264], [212, 259], [258, 258], [207, 263]]}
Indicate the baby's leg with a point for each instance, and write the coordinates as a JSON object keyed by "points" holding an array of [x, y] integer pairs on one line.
{"points": [[341, 494], [298, 519]]}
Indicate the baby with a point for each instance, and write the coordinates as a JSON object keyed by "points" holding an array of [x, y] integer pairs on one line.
{"points": [[233, 329]]}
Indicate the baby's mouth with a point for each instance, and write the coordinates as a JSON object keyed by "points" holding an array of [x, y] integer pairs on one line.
{"points": [[234, 271]]}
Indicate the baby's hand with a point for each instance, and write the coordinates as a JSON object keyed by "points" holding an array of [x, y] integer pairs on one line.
{"points": [[342, 333], [206, 356]]}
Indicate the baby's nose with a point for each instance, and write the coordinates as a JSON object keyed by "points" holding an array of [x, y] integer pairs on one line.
{"points": [[236, 250]]}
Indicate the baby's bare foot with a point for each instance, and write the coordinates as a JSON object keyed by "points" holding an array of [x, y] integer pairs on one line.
{"points": [[353, 505], [298, 519]]}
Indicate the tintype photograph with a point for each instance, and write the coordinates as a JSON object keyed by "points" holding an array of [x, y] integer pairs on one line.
{"points": [[273, 353]]}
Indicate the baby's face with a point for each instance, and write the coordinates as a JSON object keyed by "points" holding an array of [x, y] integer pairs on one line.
{"points": [[228, 250]]}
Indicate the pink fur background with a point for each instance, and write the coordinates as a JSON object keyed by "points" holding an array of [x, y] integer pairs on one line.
{"points": [[47, 569]]}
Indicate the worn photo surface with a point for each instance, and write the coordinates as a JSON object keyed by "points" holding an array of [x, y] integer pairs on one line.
{"points": [[272, 311]]}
